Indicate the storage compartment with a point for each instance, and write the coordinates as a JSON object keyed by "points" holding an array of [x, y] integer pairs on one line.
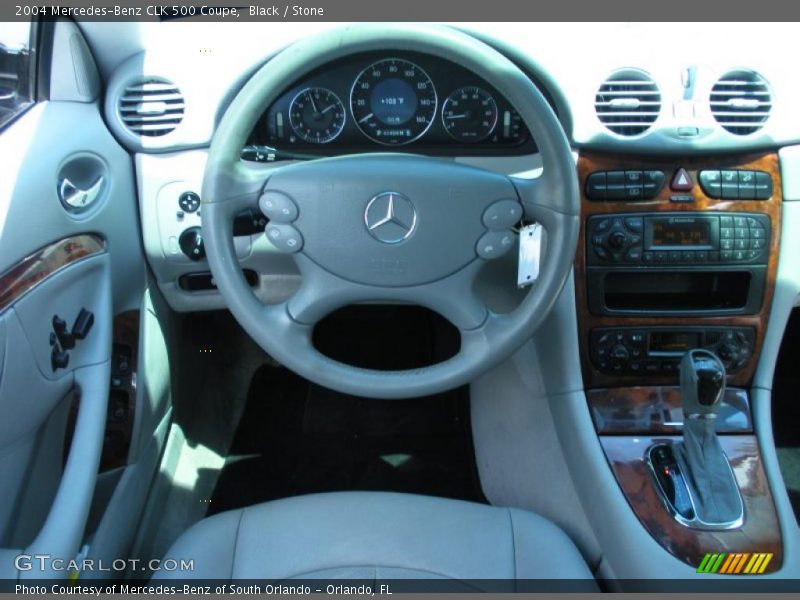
{"points": [[676, 291], [699, 290]]}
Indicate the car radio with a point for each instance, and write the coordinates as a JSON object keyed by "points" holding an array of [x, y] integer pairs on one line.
{"points": [[658, 350], [682, 238]]}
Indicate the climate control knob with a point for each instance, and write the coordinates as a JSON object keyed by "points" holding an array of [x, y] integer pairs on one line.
{"points": [[619, 353], [191, 243]]}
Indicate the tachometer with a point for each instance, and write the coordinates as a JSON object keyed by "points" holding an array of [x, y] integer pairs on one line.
{"points": [[317, 115], [469, 114], [393, 101]]}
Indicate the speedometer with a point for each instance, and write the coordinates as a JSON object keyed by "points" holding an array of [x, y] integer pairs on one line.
{"points": [[393, 101]]}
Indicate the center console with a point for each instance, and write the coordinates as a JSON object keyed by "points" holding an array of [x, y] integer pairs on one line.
{"points": [[678, 254]]}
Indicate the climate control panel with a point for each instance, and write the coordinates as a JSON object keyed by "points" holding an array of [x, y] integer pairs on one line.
{"points": [[658, 350]]}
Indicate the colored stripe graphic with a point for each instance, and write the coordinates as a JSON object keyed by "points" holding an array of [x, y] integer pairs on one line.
{"points": [[737, 563]]}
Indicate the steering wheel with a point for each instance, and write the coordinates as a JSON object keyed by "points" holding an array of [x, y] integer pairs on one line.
{"points": [[388, 227]]}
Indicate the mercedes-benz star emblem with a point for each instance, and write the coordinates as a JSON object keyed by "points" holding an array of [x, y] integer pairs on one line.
{"points": [[390, 217]]}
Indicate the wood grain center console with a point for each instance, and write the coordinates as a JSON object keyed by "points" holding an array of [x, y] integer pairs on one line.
{"points": [[677, 253]]}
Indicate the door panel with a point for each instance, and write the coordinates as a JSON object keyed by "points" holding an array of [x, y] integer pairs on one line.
{"points": [[46, 493]]}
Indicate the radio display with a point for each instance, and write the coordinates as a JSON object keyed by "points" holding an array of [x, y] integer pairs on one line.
{"points": [[674, 342], [681, 233]]}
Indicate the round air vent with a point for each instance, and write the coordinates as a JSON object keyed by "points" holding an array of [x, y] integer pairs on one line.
{"points": [[151, 107], [741, 101], [628, 102]]}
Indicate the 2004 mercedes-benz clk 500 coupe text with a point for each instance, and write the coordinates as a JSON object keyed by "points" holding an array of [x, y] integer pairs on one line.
{"points": [[302, 307]]}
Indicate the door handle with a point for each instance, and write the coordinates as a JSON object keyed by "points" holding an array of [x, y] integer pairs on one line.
{"points": [[75, 198]]}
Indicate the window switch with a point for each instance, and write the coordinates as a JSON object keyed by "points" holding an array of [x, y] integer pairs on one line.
{"points": [[83, 324], [58, 359], [64, 338]]}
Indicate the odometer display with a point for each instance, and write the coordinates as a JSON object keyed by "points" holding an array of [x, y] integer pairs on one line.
{"points": [[393, 102]]}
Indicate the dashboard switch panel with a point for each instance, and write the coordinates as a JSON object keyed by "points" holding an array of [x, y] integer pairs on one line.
{"points": [[624, 185], [736, 184]]}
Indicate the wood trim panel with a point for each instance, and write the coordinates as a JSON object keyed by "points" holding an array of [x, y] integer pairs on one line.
{"points": [[657, 410], [588, 163], [45, 262], [761, 529]]}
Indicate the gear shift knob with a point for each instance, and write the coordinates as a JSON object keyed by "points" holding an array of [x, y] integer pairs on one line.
{"points": [[702, 383]]}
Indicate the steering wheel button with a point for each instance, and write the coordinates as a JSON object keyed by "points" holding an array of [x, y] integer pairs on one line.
{"points": [[278, 207], [495, 244], [284, 237], [502, 215]]}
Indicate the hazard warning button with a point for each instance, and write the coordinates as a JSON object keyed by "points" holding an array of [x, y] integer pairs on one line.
{"points": [[681, 181]]}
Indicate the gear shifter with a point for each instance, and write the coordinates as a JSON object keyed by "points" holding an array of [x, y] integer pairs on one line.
{"points": [[699, 461]]}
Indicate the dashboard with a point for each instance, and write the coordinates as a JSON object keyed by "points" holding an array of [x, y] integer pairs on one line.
{"points": [[379, 102]]}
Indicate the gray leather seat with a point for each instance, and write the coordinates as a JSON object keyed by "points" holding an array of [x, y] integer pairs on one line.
{"points": [[376, 535]]}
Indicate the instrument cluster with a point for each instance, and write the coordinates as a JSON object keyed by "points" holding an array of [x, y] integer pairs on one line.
{"points": [[375, 103]]}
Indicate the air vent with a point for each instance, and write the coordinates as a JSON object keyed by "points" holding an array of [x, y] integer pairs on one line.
{"points": [[151, 107], [741, 101], [628, 102]]}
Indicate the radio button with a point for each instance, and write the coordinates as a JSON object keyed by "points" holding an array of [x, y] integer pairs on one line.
{"points": [[758, 234], [726, 233], [726, 244], [739, 255], [634, 223], [660, 257], [740, 221], [757, 244], [634, 255], [701, 256], [741, 244], [726, 221], [617, 239], [602, 225], [688, 256], [741, 232], [648, 257], [726, 255], [751, 222], [601, 253], [674, 256]]}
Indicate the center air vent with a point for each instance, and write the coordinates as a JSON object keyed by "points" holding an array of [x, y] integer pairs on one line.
{"points": [[151, 107], [740, 102], [628, 102]]}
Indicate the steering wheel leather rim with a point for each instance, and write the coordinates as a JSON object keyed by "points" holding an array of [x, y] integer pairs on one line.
{"points": [[231, 184]]}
